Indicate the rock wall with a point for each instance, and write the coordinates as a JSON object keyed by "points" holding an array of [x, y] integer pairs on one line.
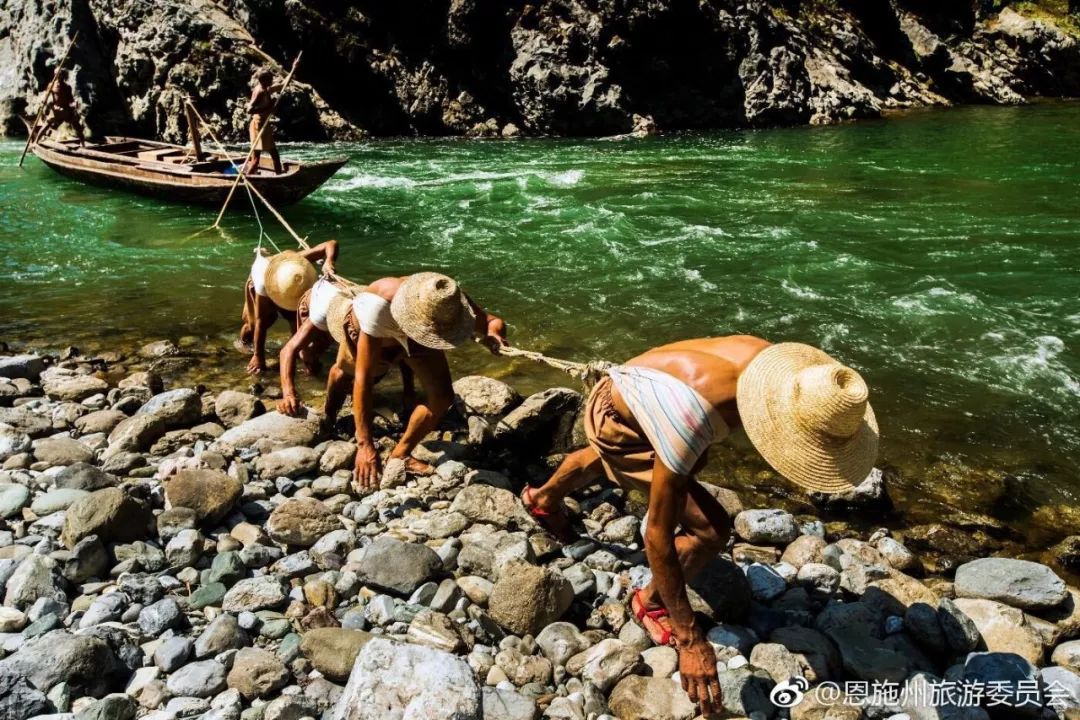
{"points": [[482, 67]]}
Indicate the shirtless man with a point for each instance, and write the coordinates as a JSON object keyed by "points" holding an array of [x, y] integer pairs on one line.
{"points": [[63, 108], [275, 287], [411, 321], [260, 107], [649, 423]]}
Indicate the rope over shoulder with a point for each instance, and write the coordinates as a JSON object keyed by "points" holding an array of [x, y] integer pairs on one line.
{"points": [[588, 373]]}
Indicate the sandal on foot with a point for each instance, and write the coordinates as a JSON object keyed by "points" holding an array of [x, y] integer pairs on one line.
{"points": [[559, 528], [650, 620]]}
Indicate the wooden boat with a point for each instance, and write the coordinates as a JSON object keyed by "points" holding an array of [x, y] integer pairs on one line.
{"points": [[176, 172]]}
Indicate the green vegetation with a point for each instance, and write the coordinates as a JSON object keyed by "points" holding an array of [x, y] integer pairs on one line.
{"points": [[1063, 13]]}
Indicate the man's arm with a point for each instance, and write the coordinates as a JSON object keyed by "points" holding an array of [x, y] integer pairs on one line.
{"points": [[697, 661], [327, 252], [488, 326], [366, 472], [290, 400]]}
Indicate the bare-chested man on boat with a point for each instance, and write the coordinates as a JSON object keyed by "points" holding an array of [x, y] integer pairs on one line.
{"points": [[261, 106], [63, 110]]}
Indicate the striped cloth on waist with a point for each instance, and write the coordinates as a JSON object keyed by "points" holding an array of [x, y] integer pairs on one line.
{"points": [[679, 423]]}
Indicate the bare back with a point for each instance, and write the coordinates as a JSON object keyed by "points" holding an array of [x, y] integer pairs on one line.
{"points": [[711, 366]]}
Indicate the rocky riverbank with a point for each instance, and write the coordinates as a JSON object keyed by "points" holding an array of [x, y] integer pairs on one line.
{"points": [[564, 67], [170, 552]]}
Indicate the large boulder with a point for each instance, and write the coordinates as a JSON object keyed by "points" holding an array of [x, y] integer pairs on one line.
{"points": [[175, 408], [482, 395], [136, 434], [333, 651], [269, 432], [526, 598], [86, 663], [1003, 629], [236, 408], [211, 494], [391, 681], [1019, 583], [397, 567], [110, 513], [19, 700], [543, 423], [28, 367], [301, 521], [493, 506], [64, 384], [650, 698]]}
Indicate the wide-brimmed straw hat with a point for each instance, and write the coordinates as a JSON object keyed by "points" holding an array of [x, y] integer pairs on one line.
{"points": [[340, 307], [809, 417], [432, 310], [288, 276]]}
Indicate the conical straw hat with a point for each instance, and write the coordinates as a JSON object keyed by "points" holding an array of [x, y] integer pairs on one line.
{"points": [[809, 417], [339, 310], [431, 309], [288, 277]]}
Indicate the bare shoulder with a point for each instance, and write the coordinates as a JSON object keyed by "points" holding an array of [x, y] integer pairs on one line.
{"points": [[385, 287]]}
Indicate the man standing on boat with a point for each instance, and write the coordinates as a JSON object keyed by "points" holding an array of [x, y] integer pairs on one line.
{"points": [[260, 107], [411, 322], [63, 108], [649, 424], [276, 286]]}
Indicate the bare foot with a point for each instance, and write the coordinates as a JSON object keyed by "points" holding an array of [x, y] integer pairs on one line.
{"points": [[418, 467], [244, 346], [256, 365], [556, 521]]}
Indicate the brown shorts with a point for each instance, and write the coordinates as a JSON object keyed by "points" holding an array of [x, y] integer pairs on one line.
{"points": [[627, 456], [265, 143]]}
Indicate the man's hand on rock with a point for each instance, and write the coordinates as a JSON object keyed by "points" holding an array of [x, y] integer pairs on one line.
{"points": [[366, 471], [697, 670], [290, 405]]}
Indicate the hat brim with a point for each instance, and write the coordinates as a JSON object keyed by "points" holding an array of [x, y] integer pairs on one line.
{"points": [[425, 332], [816, 461], [288, 298]]}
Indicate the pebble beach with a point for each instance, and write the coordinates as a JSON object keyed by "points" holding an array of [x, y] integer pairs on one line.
{"points": [[178, 552]]}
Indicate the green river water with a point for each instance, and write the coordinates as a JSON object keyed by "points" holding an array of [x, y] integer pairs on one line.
{"points": [[937, 252]]}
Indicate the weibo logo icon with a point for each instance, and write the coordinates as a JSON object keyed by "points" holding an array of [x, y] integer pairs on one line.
{"points": [[789, 693]]}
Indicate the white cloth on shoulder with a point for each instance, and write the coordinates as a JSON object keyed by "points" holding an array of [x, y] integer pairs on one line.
{"points": [[323, 293], [373, 315], [258, 272]]}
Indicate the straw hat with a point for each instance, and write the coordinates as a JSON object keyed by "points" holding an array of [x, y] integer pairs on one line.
{"points": [[809, 417], [288, 276], [432, 310], [340, 307]]}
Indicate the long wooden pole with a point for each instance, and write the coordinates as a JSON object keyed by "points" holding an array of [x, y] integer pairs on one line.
{"points": [[48, 96], [258, 139]]}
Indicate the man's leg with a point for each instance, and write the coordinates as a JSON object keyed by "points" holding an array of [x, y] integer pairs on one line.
{"points": [[338, 382], [275, 157], [577, 470], [312, 354], [434, 374], [253, 163], [705, 532], [247, 315], [265, 315]]}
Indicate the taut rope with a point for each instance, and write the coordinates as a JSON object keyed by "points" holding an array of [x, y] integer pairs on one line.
{"points": [[588, 373]]}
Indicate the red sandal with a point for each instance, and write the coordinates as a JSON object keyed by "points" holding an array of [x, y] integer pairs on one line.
{"points": [[562, 531], [661, 637]]}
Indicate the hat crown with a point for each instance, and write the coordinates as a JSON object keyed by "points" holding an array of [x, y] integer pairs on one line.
{"points": [[830, 399], [440, 299]]}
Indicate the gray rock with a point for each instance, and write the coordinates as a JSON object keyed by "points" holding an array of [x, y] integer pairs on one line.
{"points": [[19, 700], [88, 559], [960, 632], [26, 366], [62, 451], [560, 641], [264, 592], [201, 679], [333, 651], [270, 431], [765, 583], [13, 498], [106, 608], [526, 598], [136, 434], [290, 462], [184, 549], [420, 683], [492, 506], [172, 653], [82, 476], [118, 706], [397, 567], [235, 408], [921, 620], [543, 423], [301, 522], [13, 441], [111, 514], [500, 704], [651, 697], [775, 527], [35, 577], [1011, 676], [86, 663], [176, 408], [481, 395], [62, 384], [163, 615], [745, 691], [1019, 583], [54, 500], [604, 664], [26, 421], [99, 421], [1061, 689], [223, 633]]}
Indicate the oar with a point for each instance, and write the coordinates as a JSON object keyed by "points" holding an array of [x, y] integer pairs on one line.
{"points": [[258, 138], [48, 96]]}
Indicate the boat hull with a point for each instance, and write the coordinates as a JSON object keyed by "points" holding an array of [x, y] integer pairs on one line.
{"points": [[299, 180]]}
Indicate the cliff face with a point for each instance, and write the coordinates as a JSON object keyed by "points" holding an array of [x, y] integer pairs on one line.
{"points": [[549, 66]]}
